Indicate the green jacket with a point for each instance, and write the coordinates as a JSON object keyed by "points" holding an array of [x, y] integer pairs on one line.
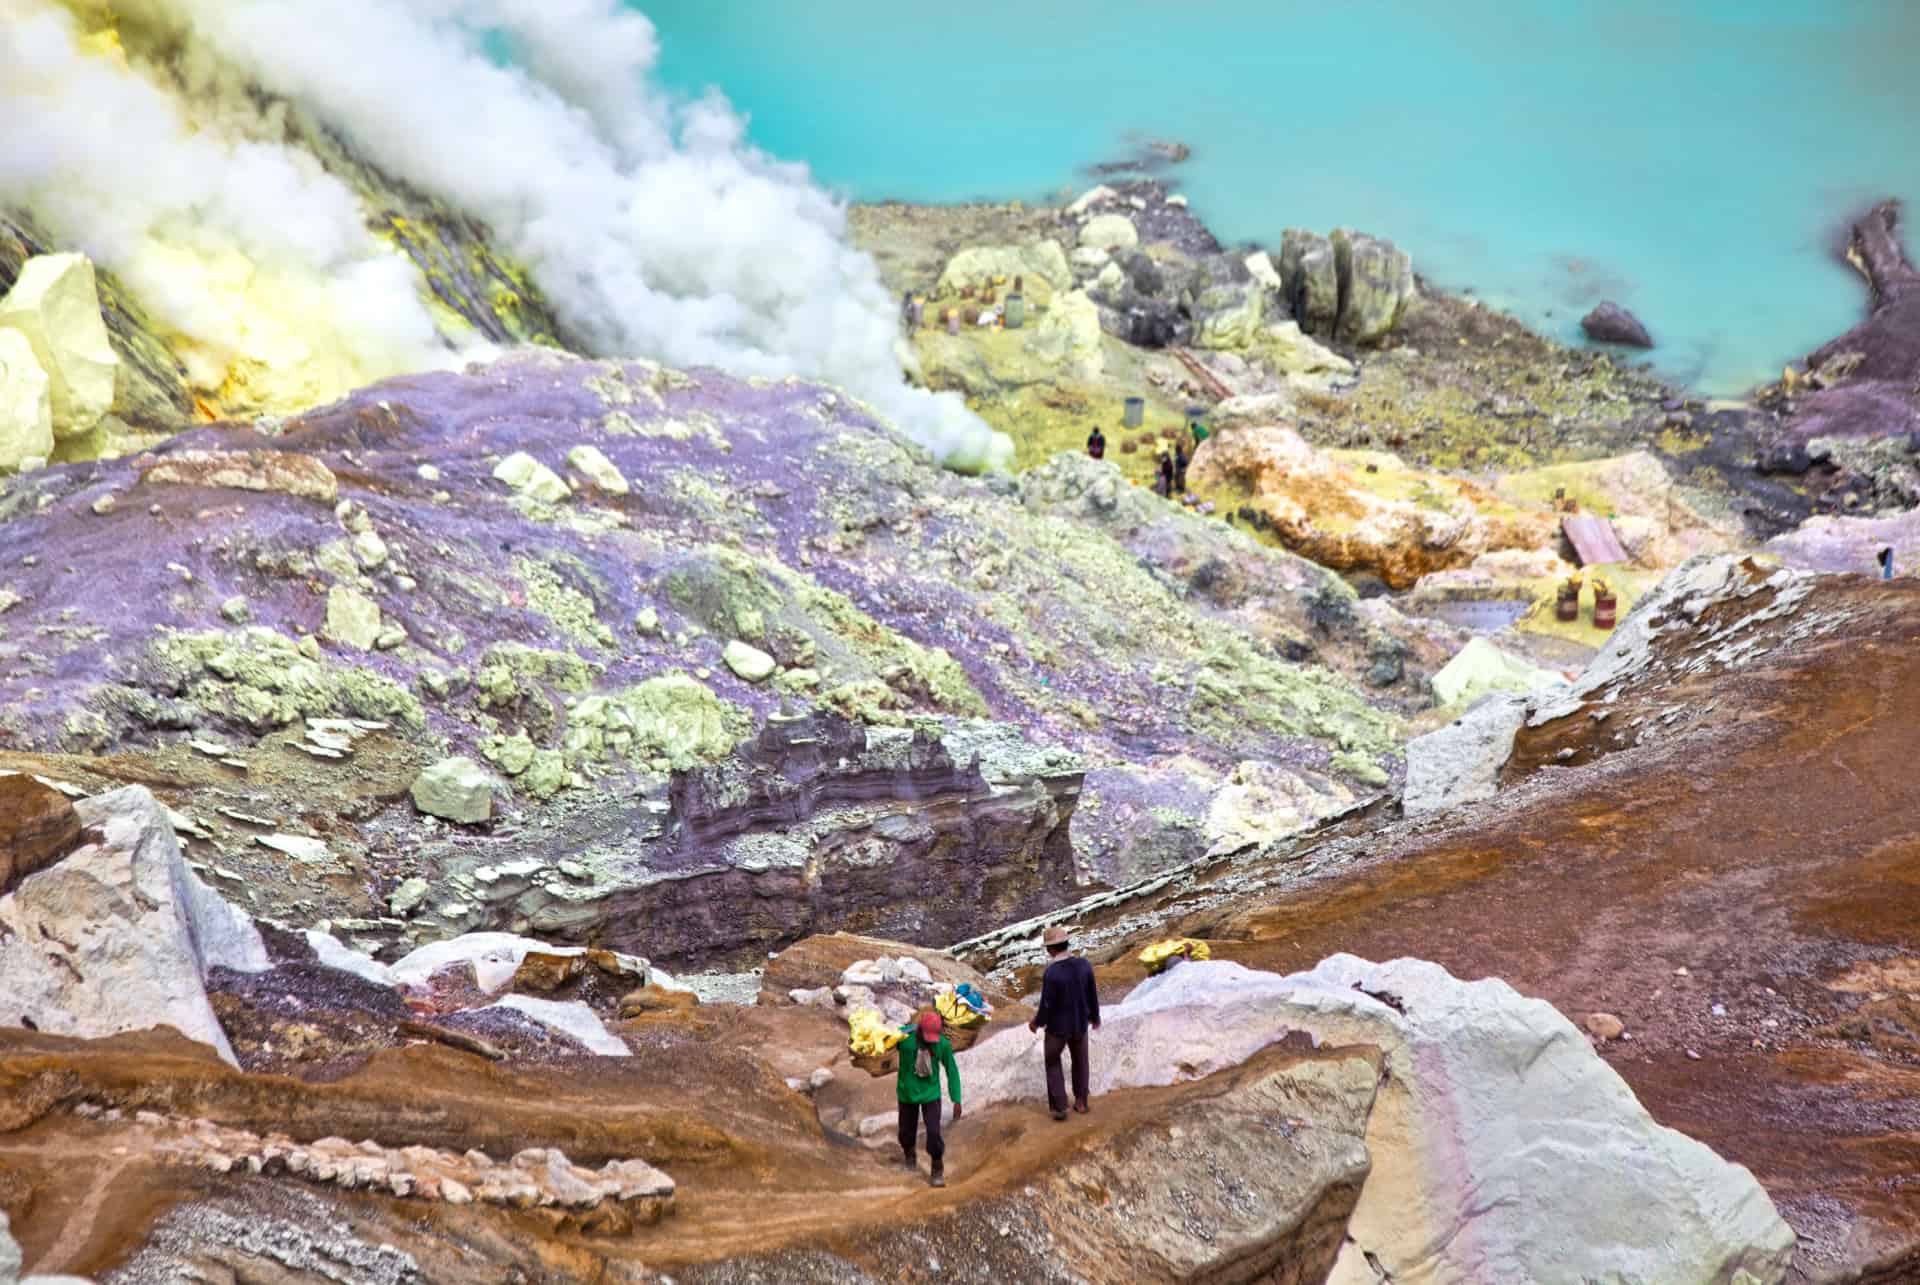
{"points": [[918, 1089]]}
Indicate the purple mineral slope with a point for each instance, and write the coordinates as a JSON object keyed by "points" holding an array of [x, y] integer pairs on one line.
{"points": [[452, 555]]}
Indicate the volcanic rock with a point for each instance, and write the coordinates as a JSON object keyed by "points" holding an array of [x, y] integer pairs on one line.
{"points": [[26, 406], [55, 304], [1376, 286], [457, 788], [38, 826], [1495, 1114], [286, 472], [1040, 265], [1109, 232], [1461, 762], [119, 935], [1609, 323]]}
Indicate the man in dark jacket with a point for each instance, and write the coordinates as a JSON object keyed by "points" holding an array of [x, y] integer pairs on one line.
{"points": [[1069, 1005], [1097, 443]]}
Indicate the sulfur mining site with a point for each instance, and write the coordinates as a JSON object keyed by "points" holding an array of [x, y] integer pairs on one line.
{"points": [[617, 669]]}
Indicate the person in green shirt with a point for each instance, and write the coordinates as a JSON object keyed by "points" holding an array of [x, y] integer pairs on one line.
{"points": [[922, 1056]]}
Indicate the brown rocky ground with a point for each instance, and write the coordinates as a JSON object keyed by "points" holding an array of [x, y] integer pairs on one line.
{"points": [[1725, 861], [761, 1188]]}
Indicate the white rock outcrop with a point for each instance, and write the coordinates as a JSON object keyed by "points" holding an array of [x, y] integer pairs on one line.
{"points": [[26, 406], [1503, 1148], [495, 958], [571, 1018], [55, 304], [119, 935]]}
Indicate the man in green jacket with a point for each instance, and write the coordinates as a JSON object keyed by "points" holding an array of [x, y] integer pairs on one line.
{"points": [[922, 1055]]}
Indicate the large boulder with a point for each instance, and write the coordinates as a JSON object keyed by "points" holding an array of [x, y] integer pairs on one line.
{"points": [[1109, 232], [1461, 762], [1041, 266], [1480, 667], [1355, 511], [1230, 316], [38, 826], [56, 305], [1263, 802], [26, 403], [1609, 323], [1253, 1183], [1376, 284], [1068, 335], [119, 935], [1495, 1119], [1310, 276], [456, 789], [1291, 351]]}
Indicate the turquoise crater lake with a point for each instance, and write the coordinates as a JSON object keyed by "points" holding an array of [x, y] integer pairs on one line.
{"points": [[1690, 159]]}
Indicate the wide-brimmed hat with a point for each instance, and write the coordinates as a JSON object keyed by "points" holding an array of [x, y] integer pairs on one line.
{"points": [[1055, 936]]}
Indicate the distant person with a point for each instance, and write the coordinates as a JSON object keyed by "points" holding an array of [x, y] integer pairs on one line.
{"points": [[1886, 563], [1097, 443], [1069, 1006], [923, 1055], [1164, 482], [1180, 467], [1200, 433]]}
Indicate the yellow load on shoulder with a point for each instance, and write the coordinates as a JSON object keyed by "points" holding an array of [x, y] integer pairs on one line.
{"points": [[1159, 956], [869, 1035], [955, 1012]]}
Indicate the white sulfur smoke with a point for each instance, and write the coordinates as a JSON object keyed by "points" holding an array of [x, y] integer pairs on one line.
{"points": [[654, 230], [249, 250], [652, 227]]}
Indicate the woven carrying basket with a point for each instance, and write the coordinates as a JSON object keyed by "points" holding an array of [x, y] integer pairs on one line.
{"points": [[885, 1064]]}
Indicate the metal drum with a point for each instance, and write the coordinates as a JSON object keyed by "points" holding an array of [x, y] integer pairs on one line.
{"points": [[1015, 311], [1135, 412]]}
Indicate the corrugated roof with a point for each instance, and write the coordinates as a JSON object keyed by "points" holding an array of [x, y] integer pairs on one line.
{"points": [[1593, 539]]}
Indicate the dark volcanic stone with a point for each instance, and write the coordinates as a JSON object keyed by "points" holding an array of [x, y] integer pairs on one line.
{"points": [[37, 828], [1611, 324]]}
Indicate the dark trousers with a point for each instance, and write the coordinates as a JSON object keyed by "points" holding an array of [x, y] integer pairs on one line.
{"points": [[911, 1114], [1056, 1081]]}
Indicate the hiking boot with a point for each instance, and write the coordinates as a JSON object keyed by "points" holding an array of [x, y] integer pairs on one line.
{"points": [[1059, 1115], [909, 1159], [938, 1178], [1081, 1107]]}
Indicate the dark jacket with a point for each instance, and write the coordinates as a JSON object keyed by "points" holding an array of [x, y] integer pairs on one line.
{"points": [[1068, 1001]]}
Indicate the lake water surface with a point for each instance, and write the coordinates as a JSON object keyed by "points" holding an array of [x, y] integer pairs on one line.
{"points": [[1690, 159]]}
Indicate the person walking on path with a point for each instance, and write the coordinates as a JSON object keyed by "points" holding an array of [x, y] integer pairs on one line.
{"points": [[1885, 558], [923, 1055], [1069, 1005]]}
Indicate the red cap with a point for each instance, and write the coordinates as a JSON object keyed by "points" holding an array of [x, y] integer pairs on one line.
{"points": [[930, 1025]]}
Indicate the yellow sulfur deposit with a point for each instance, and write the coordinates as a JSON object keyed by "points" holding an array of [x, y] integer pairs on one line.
{"points": [[868, 1034], [1162, 953], [955, 1013]]}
